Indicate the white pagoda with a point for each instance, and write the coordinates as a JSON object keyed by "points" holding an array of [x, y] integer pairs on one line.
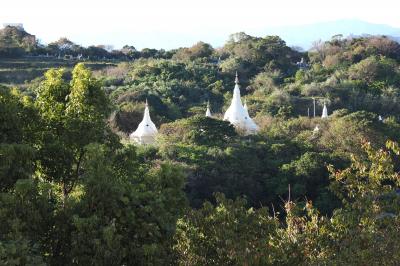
{"points": [[238, 115], [146, 131], [324, 112], [208, 112]]}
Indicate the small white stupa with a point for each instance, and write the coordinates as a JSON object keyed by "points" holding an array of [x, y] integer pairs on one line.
{"points": [[251, 125], [245, 106], [208, 112], [324, 112], [316, 129], [146, 131], [237, 114]]}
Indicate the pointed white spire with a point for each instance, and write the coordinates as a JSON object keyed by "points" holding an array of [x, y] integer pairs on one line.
{"points": [[250, 125], [146, 131], [237, 114], [208, 112], [324, 112], [245, 107]]}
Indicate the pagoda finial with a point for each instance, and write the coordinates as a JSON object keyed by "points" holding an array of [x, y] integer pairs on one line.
{"points": [[237, 78], [147, 103]]}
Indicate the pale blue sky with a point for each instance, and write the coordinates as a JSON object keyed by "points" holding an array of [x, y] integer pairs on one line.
{"points": [[173, 23]]}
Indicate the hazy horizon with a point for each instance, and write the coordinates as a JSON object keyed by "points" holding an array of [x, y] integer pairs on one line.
{"points": [[177, 23]]}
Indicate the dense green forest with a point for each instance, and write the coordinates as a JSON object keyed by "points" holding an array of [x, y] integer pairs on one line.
{"points": [[74, 190]]}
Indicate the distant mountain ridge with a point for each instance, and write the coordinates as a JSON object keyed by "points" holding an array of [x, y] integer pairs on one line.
{"points": [[305, 35]]}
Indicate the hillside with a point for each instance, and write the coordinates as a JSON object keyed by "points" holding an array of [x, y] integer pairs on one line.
{"points": [[298, 190]]}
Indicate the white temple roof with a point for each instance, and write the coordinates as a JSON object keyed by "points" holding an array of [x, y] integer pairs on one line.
{"points": [[146, 131], [324, 112], [237, 114]]}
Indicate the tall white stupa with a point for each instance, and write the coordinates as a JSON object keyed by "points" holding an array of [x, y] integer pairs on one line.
{"points": [[324, 112], [237, 114], [146, 131]]}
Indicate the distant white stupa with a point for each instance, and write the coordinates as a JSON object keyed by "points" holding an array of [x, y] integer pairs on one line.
{"points": [[146, 131], [237, 114], [316, 129], [324, 112], [208, 112]]}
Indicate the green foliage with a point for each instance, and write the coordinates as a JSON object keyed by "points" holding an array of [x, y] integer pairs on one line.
{"points": [[16, 162], [369, 221], [25, 215], [259, 168], [17, 121], [19, 252], [125, 215], [363, 231], [199, 50], [227, 234], [16, 42], [373, 69], [199, 130], [72, 116], [255, 54]]}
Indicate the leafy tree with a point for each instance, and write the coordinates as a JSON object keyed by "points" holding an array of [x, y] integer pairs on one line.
{"points": [[197, 51], [225, 234], [127, 214], [256, 54], [17, 129], [200, 130], [26, 216], [373, 69], [73, 116], [64, 47], [15, 42]]}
